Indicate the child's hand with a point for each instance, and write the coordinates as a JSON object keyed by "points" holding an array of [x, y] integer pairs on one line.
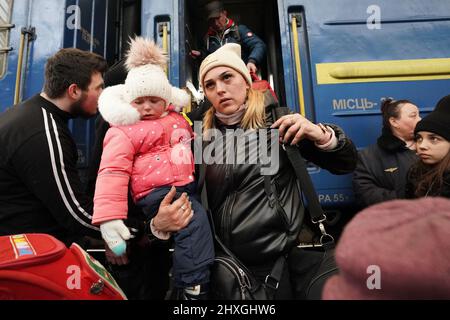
{"points": [[115, 233]]}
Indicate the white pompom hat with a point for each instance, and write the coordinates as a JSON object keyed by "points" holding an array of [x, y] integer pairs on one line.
{"points": [[146, 78]]}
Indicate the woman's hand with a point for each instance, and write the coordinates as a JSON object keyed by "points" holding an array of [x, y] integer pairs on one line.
{"points": [[294, 127], [173, 217]]}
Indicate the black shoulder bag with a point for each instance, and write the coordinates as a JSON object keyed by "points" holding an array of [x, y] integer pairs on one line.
{"points": [[230, 279], [309, 267]]}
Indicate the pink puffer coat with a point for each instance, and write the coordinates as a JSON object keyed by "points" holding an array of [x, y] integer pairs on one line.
{"points": [[152, 153]]}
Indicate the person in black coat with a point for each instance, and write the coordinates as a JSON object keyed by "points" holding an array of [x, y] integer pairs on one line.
{"points": [[380, 174]]}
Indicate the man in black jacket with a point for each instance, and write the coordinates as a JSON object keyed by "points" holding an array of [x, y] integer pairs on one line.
{"points": [[40, 190]]}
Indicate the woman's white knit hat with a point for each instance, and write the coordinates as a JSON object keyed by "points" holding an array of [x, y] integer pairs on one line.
{"points": [[146, 78], [228, 55]]}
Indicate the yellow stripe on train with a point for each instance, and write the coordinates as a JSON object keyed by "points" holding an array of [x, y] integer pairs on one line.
{"points": [[379, 71]]}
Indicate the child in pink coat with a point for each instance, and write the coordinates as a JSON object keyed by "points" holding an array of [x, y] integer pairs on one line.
{"points": [[148, 148]]}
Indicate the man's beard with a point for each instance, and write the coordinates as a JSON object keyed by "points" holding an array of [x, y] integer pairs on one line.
{"points": [[77, 110]]}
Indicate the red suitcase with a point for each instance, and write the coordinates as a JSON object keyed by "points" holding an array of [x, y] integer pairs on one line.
{"points": [[39, 267]]}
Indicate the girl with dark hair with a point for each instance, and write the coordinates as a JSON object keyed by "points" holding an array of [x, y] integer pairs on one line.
{"points": [[431, 175], [381, 171]]}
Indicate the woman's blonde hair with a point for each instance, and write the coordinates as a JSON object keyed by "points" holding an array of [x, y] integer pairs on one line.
{"points": [[254, 118]]}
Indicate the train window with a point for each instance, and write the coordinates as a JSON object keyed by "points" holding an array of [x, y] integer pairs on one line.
{"points": [[5, 27]]}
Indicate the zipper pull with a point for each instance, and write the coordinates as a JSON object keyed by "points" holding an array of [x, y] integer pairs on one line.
{"points": [[246, 280]]}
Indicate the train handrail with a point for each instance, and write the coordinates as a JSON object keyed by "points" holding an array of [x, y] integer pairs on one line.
{"points": [[29, 34], [165, 45], [298, 68], [19, 69]]}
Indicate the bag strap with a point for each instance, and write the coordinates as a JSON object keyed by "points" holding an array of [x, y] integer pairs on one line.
{"points": [[272, 281], [315, 210]]}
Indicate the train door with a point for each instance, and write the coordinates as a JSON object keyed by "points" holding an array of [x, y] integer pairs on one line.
{"points": [[90, 25], [341, 58], [103, 27]]}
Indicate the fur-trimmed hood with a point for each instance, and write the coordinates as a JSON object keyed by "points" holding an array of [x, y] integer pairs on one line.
{"points": [[116, 109]]}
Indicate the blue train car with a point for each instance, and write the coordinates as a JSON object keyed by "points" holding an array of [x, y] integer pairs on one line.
{"points": [[332, 60]]}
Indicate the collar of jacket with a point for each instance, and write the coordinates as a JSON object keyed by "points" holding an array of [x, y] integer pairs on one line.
{"points": [[212, 32], [390, 143], [50, 107]]}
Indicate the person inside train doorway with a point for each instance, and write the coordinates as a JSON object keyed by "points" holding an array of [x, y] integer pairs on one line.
{"points": [[40, 190], [223, 30]]}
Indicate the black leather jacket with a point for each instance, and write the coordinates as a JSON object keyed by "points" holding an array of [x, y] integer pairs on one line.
{"points": [[257, 230]]}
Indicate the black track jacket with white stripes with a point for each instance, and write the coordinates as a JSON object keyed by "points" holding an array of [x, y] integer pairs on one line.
{"points": [[40, 190]]}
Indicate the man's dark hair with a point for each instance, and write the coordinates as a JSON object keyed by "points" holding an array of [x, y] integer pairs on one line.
{"points": [[71, 66]]}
